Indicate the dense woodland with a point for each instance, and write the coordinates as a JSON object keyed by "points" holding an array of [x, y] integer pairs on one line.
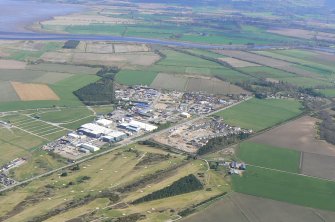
{"points": [[184, 185], [327, 127], [100, 92], [71, 44]]}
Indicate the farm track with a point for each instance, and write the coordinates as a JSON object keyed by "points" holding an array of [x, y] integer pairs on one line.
{"points": [[296, 174]]}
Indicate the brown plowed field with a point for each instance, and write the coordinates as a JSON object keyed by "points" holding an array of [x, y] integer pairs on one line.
{"points": [[245, 208], [237, 63], [319, 165], [12, 64], [32, 92], [299, 134], [266, 61]]}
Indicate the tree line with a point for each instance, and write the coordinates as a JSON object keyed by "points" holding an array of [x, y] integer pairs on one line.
{"points": [[221, 142], [186, 184], [327, 127]]}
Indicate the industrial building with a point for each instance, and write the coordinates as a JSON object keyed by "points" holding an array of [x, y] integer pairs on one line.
{"points": [[185, 115], [96, 131], [89, 147], [104, 122], [136, 126], [114, 136]]}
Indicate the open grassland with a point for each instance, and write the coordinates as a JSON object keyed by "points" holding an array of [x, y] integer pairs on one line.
{"points": [[261, 114], [64, 115], [202, 52], [30, 51], [174, 58], [36, 127], [63, 68], [245, 208], [306, 82], [135, 77], [327, 92], [269, 156], [109, 172], [267, 72], [287, 187], [17, 143]]}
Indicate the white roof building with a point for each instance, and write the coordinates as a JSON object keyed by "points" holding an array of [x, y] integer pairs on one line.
{"points": [[144, 126], [96, 128], [90, 147], [116, 134], [104, 122]]}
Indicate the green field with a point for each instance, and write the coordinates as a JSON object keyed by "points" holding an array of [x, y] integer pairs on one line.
{"points": [[287, 187], [174, 58], [261, 114], [266, 72], [327, 92], [25, 55], [64, 89], [269, 156], [65, 115], [305, 81], [137, 77]]}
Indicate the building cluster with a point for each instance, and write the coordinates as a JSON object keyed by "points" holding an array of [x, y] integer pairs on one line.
{"points": [[4, 170], [90, 137], [236, 168], [200, 103], [137, 93], [6, 181], [190, 137], [139, 110]]}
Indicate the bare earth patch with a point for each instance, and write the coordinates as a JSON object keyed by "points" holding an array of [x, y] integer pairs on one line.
{"points": [[238, 63], [318, 165], [32, 92], [299, 135], [245, 208], [12, 64]]}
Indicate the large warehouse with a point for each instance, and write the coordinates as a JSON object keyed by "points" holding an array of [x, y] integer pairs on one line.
{"points": [[136, 126], [96, 131]]}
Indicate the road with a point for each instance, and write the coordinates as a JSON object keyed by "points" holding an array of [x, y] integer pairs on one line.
{"points": [[121, 145]]}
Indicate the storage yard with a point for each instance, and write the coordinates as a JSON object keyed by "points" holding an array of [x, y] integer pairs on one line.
{"points": [[190, 137]]}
